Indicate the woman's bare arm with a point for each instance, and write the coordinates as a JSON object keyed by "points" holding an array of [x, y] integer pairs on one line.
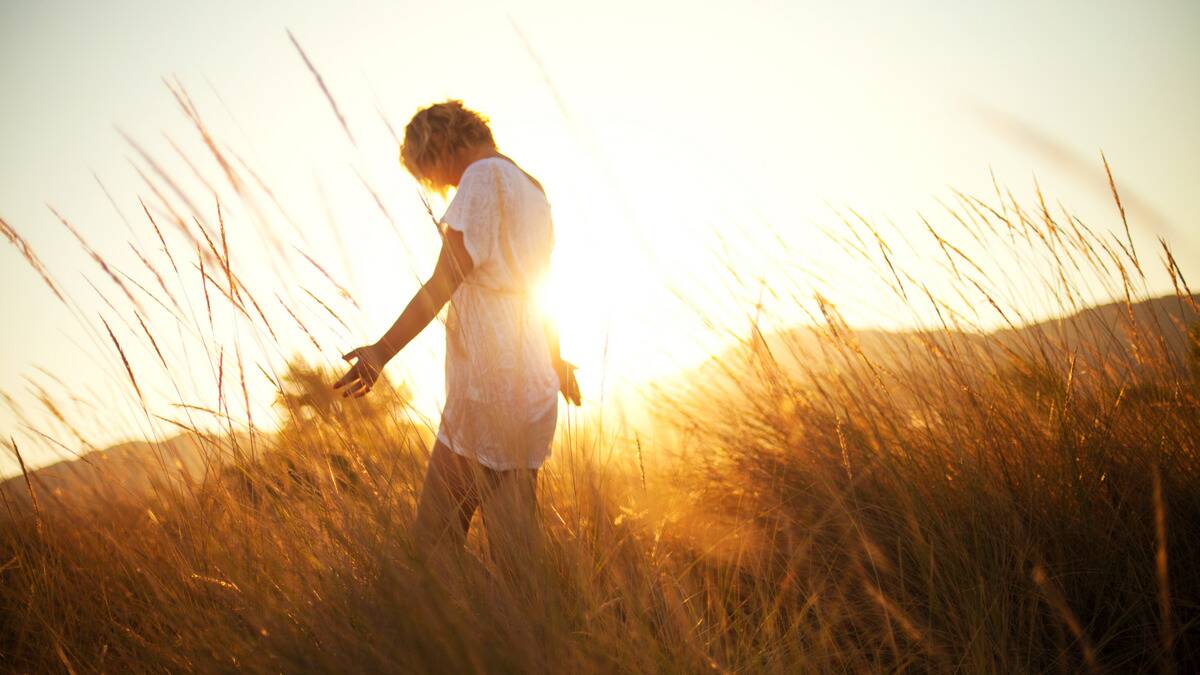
{"points": [[565, 370], [453, 265]]}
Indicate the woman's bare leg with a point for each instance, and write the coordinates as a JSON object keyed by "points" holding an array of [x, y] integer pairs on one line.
{"points": [[510, 513], [449, 498], [456, 486]]}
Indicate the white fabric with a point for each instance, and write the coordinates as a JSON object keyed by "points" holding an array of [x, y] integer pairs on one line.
{"points": [[501, 389]]}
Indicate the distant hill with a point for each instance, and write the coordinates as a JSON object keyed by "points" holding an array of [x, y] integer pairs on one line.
{"points": [[127, 469], [1122, 340], [1115, 335]]}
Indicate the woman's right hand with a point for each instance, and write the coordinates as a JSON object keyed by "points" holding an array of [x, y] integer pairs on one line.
{"points": [[362, 375]]}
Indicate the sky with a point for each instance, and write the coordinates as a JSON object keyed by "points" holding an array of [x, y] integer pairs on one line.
{"points": [[677, 141]]}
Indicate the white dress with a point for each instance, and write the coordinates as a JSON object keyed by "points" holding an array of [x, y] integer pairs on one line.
{"points": [[501, 389]]}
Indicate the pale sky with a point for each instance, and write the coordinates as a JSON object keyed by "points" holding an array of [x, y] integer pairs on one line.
{"points": [[671, 129]]}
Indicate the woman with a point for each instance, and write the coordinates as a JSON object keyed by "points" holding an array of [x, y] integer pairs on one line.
{"points": [[503, 370]]}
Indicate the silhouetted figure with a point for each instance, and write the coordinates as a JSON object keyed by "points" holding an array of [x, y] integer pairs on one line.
{"points": [[503, 369]]}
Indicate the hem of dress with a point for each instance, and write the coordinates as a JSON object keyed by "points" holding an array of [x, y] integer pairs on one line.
{"points": [[494, 466]]}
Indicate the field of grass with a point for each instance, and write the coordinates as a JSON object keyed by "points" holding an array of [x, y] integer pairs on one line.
{"points": [[817, 500]]}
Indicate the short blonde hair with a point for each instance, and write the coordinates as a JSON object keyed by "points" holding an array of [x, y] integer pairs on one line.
{"points": [[439, 132]]}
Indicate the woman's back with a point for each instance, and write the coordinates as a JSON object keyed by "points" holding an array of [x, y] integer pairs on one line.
{"points": [[505, 220]]}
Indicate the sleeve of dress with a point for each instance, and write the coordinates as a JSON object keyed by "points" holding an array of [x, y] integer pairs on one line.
{"points": [[475, 212]]}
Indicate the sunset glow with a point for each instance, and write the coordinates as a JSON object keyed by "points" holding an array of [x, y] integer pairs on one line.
{"points": [[877, 347]]}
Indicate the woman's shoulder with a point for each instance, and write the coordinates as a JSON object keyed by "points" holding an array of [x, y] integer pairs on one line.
{"points": [[482, 168], [497, 165]]}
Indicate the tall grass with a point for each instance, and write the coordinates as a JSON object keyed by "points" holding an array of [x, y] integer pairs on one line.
{"points": [[821, 499]]}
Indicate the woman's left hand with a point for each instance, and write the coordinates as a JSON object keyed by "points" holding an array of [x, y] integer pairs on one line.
{"points": [[567, 383], [362, 375]]}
